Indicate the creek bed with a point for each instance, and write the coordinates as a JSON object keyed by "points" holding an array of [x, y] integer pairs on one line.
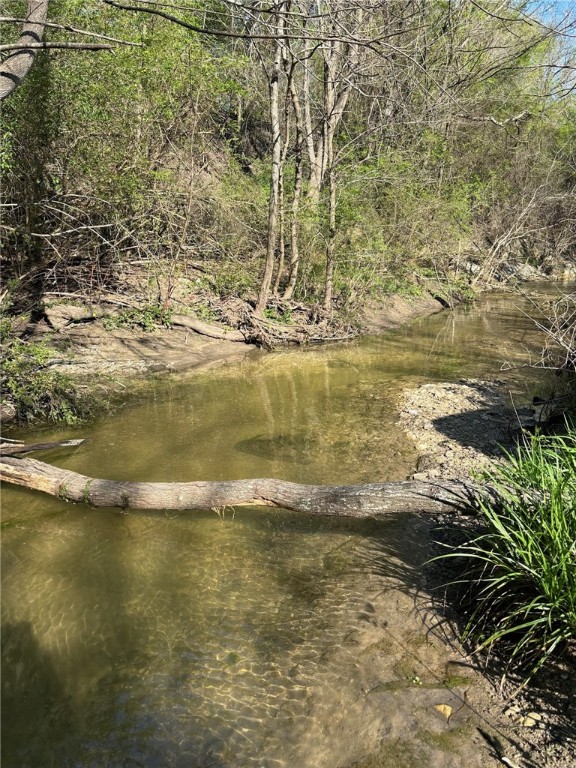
{"points": [[247, 638]]}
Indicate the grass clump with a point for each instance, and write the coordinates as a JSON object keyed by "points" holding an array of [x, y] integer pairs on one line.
{"points": [[519, 571], [30, 386]]}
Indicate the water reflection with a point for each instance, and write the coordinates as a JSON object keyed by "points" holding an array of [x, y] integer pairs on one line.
{"points": [[255, 638]]}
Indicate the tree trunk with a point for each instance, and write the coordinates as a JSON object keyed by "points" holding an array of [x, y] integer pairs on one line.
{"points": [[296, 194], [358, 501], [275, 174], [16, 66], [331, 244]]}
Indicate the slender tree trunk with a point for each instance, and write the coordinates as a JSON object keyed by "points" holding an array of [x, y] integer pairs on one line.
{"points": [[281, 233], [314, 153], [331, 244], [275, 174], [281, 201], [296, 194], [294, 227], [328, 168]]}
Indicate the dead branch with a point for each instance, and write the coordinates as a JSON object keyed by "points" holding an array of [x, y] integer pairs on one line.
{"points": [[40, 46], [14, 447], [207, 329], [74, 30]]}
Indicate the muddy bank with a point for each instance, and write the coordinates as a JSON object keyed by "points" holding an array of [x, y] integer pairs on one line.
{"points": [[398, 310], [87, 345], [86, 349]]}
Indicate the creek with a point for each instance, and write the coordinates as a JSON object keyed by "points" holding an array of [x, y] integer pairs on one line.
{"points": [[253, 637]]}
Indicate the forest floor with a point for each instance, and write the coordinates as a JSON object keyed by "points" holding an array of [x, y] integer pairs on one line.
{"points": [[460, 428]]}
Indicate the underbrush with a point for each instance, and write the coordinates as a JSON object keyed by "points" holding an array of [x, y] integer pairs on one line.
{"points": [[32, 388], [148, 318], [517, 582]]}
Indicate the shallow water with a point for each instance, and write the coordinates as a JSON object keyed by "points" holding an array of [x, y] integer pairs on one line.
{"points": [[255, 638]]}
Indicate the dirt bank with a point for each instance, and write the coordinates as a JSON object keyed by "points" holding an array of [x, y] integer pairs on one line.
{"points": [[86, 344], [89, 348]]}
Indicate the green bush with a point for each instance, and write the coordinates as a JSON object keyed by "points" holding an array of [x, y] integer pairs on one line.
{"points": [[147, 318], [36, 391], [519, 572]]}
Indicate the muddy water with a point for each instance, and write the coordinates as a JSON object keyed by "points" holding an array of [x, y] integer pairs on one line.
{"points": [[248, 638]]}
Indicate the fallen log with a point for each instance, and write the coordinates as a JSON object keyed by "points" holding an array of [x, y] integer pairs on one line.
{"points": [[357, 501]]}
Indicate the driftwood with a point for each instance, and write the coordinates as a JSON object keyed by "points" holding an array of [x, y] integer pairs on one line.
{"points": [[14, 447], [358, 501]]}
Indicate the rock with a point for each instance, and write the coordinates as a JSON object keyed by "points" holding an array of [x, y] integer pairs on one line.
{"points": [[528, 722], [444, 709], [534, 716], [7, 411]]}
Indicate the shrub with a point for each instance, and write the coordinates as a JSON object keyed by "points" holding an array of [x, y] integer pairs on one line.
{"points": [[148, 318], [35, 390], [519, 571]]}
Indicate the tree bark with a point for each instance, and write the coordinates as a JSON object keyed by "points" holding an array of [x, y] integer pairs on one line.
{"points": [[15, 67], [275, 173], [356, 501]]}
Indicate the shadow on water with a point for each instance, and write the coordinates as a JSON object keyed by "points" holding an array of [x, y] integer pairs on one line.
{"points": [[64, 673], [34, 700], [402, 555]]}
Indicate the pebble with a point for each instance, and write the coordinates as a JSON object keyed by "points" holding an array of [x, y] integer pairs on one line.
{"points": [[475, 423]]}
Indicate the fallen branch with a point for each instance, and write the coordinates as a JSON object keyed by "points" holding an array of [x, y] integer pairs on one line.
{"points": [[41, 46], [207, 329], [358, 501], [14, 447]]}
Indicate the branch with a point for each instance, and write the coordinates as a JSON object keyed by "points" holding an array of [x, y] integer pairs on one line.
{"points": [[501, 123], [367, 42], [45, 46], [74, 30], [12, 448]]}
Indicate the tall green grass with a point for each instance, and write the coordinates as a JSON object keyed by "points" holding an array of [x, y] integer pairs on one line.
{"points": [[519, 571]]}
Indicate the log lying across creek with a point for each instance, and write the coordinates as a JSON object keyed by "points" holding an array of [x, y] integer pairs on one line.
{"points": [[366, 500]]}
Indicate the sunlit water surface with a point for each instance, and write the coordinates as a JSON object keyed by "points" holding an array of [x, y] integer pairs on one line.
{"points": [[254, 638]]}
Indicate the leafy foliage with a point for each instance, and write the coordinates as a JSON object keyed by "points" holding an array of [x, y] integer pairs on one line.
{"points": [[161, 152], [147, 318]]}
